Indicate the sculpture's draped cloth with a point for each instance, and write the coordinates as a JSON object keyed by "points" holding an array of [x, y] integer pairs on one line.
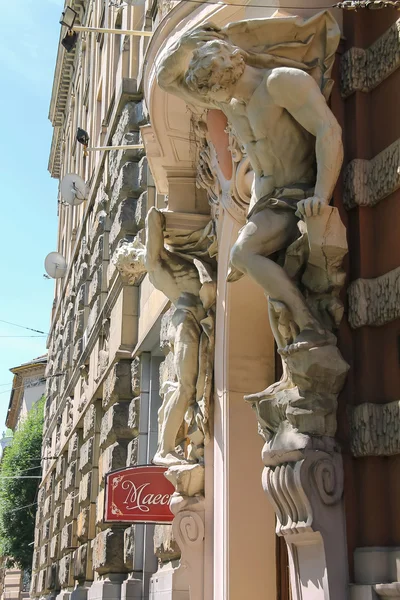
{"points": [[199, 248], [312, 46]]}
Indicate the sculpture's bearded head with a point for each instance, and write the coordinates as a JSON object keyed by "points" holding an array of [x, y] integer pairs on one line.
{"points": [[215, 69]]}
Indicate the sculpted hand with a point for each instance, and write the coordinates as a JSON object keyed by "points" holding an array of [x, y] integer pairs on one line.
{"points": [[204, 33], [310, 207]]}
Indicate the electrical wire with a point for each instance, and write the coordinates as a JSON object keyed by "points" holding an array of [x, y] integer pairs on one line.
{"points": [[23, 327], [23, 336], [8, 512]]}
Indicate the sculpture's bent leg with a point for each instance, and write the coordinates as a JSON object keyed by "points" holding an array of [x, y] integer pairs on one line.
{"points": [[186, 357], [265, 233]]}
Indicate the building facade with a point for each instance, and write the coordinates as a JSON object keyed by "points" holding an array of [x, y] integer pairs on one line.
{"points": [[156, 337]]}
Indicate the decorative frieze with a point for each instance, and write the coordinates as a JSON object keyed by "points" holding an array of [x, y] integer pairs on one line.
{"points": [[375, 429], [362, 70], [374, 301], [367, 182]]}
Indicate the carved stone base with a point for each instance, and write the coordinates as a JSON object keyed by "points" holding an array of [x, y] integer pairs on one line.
{"points": [[307, 498], [186, 581]]}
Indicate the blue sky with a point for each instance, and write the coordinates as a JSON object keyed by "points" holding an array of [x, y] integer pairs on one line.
{"points": [[29, 33]]}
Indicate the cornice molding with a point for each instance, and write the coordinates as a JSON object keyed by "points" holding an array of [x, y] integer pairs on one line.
{"points": [[375, 429], [367, 182], [362, 70], [374, 301], [63, 75]]}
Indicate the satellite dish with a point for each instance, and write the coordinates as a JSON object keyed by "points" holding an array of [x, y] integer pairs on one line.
{"points": [[55, 265], [73, 189]]}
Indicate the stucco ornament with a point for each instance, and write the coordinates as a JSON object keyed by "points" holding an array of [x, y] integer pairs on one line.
{"points": [[271, 78]]}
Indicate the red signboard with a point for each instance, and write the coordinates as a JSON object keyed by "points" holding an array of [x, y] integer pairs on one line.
{"points": [[138, 495]]}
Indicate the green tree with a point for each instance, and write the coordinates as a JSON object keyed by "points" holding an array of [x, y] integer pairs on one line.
{"points": [[18, 496]]}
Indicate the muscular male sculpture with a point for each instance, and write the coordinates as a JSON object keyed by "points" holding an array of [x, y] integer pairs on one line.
{"points": [[292, 139]]}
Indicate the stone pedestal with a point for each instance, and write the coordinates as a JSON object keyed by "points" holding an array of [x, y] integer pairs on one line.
{"points": [[108, 588], [80, 593], [307, 498], [169, 583], [131, 589], [64, 595]]}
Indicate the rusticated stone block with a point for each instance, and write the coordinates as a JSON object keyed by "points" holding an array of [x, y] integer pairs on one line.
{"points": [[113, 457], [117, 385], [37, 532], [64, 365], [46, 530], [73, 447], [129, 547], [44, 555], [97, 256], [77, 352], [82, 275], [95, 286], [88, 487], [133, 416], [80, 301], [69, 482], [69, 506], [93, 315], [83, 563], [35, 560], [47, 506], [115, 425], [86, 522], [141, 211], [79, 324], [58, 492], [57, 518], [34, 584], [65, 575], [132, 452], [67, 335], [68, 537], [89, 421], [165, 546], [41, 496], [130, 183], [124, 222], [52, 576], [60, 468], [41, 584], [86, 455], [54, 547], [68, 314], [100, 509], [108, 552], [135, 375]]}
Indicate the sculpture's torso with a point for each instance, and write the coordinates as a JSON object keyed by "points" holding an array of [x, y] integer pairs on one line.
{"points": [[281, 151]]}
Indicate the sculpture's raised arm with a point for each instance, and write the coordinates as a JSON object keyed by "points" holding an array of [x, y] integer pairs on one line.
{"points": [[172, 70]]}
